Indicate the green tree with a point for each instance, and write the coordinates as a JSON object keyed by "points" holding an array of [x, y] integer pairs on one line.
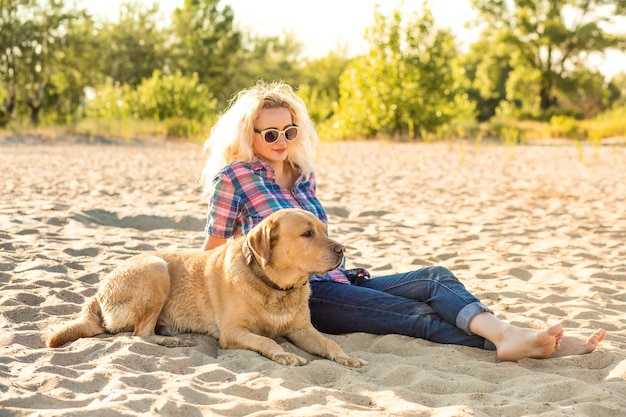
{"points": [[486, 68], [586, 94], [551, 38], [207, 44], [319, 84], [110, 102], [265, 58], [164, 96], [77, 51], [159, 97], [12, 37], [134, 45], [405, 85], [33, 37]]}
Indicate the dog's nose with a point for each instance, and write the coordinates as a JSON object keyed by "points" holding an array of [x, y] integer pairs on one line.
{"points": [[340, 249]]}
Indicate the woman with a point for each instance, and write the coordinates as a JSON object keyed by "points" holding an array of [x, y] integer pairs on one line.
{"points": [[260, 160]]}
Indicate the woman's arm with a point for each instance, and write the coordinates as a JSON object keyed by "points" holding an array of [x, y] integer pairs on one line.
{"points": [[212, 242]]}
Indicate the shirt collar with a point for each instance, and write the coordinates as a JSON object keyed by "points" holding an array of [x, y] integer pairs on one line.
{"points": [[259, 165]]}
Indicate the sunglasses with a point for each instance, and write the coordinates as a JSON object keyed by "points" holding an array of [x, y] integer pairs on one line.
{"points": [[271, 135]]}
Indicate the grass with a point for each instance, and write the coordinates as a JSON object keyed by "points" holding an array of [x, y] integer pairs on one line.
{"points": [[510, 132], [122, 130]]}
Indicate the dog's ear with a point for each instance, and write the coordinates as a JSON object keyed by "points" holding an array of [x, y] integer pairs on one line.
{"points": [[260, 241]]}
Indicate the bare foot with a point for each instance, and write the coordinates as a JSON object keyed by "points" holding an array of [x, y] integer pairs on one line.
{"points": [[574, 346], [518, 343], [514, 343]]}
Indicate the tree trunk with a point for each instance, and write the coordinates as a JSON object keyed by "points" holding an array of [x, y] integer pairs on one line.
{"points": [[34, 115], [9, 103], [547, 99]]}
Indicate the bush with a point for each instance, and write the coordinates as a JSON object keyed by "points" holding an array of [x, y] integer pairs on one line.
{"points": [[609, 124], [166, 96], [160, 97], [565, 127], [109, 102], [179, 127]]}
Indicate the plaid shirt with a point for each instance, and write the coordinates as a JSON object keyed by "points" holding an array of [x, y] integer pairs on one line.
{"points": [[244, 193]]}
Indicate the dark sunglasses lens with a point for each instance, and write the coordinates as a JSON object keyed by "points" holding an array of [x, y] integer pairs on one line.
{"points": [[271, 136], [291, 133]]}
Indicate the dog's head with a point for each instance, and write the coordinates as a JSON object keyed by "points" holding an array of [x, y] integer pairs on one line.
{"points": [[290, 245]]}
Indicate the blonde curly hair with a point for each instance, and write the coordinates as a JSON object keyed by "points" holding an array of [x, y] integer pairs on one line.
{"points": [[231, 137]]}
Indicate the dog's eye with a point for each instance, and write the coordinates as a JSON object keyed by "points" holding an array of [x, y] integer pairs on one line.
{"points": [[308, 233]]}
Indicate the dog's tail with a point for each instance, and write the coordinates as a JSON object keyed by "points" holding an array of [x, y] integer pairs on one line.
{"points": [[87, 325]]}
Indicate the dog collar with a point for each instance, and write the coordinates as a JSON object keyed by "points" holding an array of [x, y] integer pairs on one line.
{"points": [[254, 265]]}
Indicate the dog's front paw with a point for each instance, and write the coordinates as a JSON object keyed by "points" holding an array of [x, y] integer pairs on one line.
{"points": [[287, 358], [351, 362]]}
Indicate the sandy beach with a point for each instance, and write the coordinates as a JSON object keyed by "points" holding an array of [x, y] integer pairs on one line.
{"points": [[537, 232]]}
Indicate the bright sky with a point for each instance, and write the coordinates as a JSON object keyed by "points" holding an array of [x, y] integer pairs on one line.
{"points": [[325, 25]]}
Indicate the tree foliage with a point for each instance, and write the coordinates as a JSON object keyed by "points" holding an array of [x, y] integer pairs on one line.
{"points": [[160, 97], [267, 58], [12, 39], [405, 85], [486, 68], [550, 39], [36, 44], [133, 45], [207, 44], [164, 96], [58, 65], [319, 84]]}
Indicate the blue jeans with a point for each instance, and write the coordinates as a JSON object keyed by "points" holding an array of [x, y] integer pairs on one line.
{"points": [[429, 303]]}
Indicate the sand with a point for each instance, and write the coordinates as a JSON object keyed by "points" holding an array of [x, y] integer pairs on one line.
{"points": [[537, 232]]}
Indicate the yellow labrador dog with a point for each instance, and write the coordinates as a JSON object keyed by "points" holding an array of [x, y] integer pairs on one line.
{"points": [[244, 293]]}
